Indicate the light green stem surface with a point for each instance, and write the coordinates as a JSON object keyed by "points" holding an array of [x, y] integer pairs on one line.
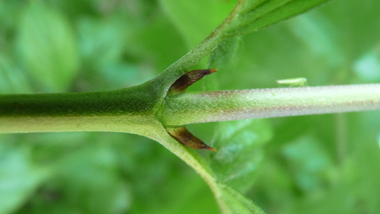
{"points": [[212, 106]]}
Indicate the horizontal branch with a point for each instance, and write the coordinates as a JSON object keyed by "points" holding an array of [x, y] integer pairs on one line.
{"points": [[188, 108], [127, 110]]}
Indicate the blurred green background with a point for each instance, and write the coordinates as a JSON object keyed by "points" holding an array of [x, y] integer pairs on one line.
{"points": [[309, 164]]}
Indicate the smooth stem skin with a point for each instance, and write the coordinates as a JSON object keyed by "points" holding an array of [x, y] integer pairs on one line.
{"points": [[213, 106]]}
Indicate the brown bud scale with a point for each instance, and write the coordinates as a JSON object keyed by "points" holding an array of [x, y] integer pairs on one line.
{"points": [[182, 135]]}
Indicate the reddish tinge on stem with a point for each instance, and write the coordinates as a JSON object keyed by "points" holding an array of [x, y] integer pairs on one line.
{"points": [[181, 134], [182, 83]]}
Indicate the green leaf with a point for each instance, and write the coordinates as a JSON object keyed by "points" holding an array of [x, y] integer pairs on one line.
{"points": [[183, 192], [229, 200], [239, 152], [89, 178], [18, 177], [252, 15], [163, 48], [224, 58], [102, 42], [312, 163], [316, 32], [232, 202], [12, 78], [367, 67], [8, 15], [365, 176], [48, 48], [353, 27], [198, 18]]}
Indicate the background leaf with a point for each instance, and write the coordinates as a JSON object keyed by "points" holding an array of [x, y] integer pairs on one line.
{"points": [[256, 14], [234, 202], [196, 19], [240, 151], [12, 78], [18, 177], [48, 47], [311, 164]]}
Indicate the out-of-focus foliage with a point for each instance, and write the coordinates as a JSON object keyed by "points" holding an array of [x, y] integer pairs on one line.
{"points": [[196, 19], [47, 47], [308, 164], [240, 151]]}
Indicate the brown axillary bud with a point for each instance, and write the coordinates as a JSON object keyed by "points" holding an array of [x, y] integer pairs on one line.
{"points": [[182, 135], [181, 84]]}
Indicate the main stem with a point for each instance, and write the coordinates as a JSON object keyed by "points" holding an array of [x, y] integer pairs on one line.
{"points": [[123, 110], [212, 106], [132, 110]]}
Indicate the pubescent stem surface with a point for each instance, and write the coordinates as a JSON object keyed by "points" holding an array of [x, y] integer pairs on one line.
{"points": [[137, 109], [129, 110], [189, 108]]}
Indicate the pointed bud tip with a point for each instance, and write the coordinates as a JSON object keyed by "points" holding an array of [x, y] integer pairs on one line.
{"points": [[211, 149], [205, 146], [212, 70], [208, 71]]}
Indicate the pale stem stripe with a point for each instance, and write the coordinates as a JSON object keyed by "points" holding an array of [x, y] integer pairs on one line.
{"points": [[213, 106]]}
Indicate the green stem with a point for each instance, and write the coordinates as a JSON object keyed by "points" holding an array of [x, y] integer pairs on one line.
{"points": [[120, 110], [181, 66], [212, 106], [128, 109]]}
